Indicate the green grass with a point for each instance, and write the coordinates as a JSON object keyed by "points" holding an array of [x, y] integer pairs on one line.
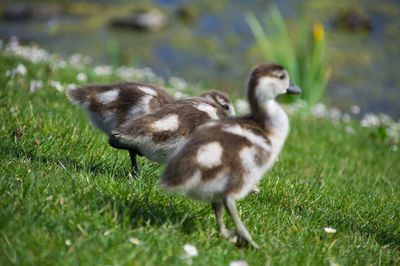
{"points": [[301, 50], [61, 181]]}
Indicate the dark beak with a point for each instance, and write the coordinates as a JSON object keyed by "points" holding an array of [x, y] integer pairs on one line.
{"points": [[293, 89]]}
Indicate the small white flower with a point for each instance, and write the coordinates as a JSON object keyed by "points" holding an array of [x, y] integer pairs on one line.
{"points": [[350, 130], [125, 73], [61, 64], [395, 148], [180, 95], [346, 118], [75, 60], [190, 250], [238, 263], [32, 53], [319, 110], [35, 85], [71, 86], [68, 242], [385, 119], [330, 230], [370, 120], [21, 69], [355, 109], [82, 77], [148, 73], [177, 83], [134, 240], [87, 60], [334, 264], [242, 106], [103, 70], [296, 106], [57, 85], [335, 113], [393, 131]]}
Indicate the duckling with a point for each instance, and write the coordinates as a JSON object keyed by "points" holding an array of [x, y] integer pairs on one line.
{"points": [[224, 159], [110, 106], [158, 134]]}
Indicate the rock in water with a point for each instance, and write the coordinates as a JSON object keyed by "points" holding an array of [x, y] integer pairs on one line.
{"points": [[142, 20], [23, 11], [353, 20], [17, 12]]}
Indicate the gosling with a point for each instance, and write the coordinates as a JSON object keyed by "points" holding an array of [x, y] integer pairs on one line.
{"points": [[157, 135], [223, 160], [110, 106]]}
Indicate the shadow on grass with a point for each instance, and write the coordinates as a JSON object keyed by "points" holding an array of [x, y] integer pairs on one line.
{"points": [[384, 236], [141, 211], [144, 212], [66, 162]]}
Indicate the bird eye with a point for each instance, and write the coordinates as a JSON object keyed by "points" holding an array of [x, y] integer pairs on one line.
{"points": [[281, 76], [225, 106]]}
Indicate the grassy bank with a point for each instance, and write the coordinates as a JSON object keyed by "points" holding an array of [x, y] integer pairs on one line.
{"points": [[66, 197]]}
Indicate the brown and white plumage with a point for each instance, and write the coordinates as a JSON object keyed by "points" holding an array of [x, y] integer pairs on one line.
{"points": [[158, 134], [110, 106], [113, 107], [223, 160]]}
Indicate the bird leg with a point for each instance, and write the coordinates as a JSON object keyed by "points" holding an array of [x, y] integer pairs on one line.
{"points": [[135, 166], [219, 212], [114, 141], [241, 230]]}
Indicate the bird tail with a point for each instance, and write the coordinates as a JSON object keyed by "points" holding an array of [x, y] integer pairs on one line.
{"points": [[77, 95]]}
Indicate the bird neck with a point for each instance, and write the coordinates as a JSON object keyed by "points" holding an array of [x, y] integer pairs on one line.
{"points": [[269, 115]]}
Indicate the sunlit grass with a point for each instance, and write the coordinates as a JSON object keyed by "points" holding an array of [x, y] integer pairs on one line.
{"points": [[302, 50], [67, 198]]}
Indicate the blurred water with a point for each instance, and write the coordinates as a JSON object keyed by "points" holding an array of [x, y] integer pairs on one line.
{"points": [[216, 48]]}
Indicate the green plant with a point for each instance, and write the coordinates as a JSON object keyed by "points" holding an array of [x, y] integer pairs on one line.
{"points": [[66, 197], [114, 52], [302, 54]]}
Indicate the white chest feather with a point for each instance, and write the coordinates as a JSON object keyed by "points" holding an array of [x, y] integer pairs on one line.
{"points": [[278, 126], [108, 96], [208, 109], [168, 123], [142, 107]]}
